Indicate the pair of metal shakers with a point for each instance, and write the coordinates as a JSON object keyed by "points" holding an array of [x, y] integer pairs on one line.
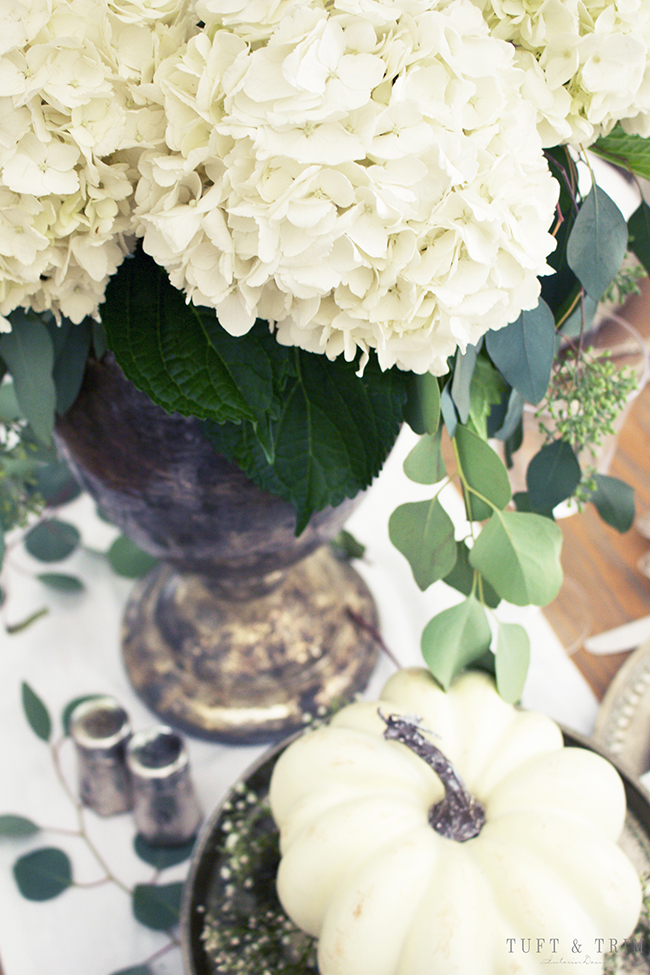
{"points": [[146, 772]]}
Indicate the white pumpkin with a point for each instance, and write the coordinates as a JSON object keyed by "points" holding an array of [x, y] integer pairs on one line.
{"points": [[363, 870]]}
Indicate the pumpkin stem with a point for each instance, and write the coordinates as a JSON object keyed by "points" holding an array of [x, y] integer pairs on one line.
{"points": [[459, 816]]}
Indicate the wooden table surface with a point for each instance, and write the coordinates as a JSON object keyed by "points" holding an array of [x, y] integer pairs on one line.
{"points": [[601, 561]]}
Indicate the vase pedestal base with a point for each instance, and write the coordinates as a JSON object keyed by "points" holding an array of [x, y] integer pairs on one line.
{"points": [[245, 671]]}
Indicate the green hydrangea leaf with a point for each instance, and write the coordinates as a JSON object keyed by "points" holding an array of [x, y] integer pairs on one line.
{"points": [[331, 437], [629, 151], [454, 639], [597, 242], [179, 354], [43, 874], [519, 555], [424, 533]]}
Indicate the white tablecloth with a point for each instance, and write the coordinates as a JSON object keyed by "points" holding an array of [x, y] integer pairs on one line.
{"points": [[74, 650]]}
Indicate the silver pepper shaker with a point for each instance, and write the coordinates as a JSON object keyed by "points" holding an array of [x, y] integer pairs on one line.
{"points": [[165, 808], [100, 730]]}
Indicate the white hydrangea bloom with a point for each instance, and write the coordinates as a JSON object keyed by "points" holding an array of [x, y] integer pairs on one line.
{"points": [[587, 61], [364, 175], [74, 118]]}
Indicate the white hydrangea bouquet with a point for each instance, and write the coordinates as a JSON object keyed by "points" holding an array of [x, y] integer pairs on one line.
{"points": [[306, 221]]}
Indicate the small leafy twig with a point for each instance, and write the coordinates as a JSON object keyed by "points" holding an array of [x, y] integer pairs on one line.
{"points": [[46, 872]]}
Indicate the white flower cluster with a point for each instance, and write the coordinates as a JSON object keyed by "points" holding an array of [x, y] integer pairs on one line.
{"points": [[587, 63], [363, 174], [73, 120]]}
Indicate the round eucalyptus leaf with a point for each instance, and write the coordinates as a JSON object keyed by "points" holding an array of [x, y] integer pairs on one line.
{"points": [[519, 555], [425, 463], [157, 906], [614, 502], [162, 857], [61, 582], [17, 826], [454, 639], [126, 559], [52, 540], [57, 485], [43, 874], [424, 533], [552, 475]]}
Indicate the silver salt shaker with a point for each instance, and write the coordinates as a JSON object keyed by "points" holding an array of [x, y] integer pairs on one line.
{"points": [[165, 808], [100, 730]]}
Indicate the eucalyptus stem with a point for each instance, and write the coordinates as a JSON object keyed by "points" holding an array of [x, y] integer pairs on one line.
{"points": [[83, 833], [459, 816]]}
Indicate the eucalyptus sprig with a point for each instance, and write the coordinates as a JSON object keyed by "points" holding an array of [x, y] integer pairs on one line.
{"points": [[47, 872]]}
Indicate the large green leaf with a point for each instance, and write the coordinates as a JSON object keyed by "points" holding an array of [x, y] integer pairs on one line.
{"points": [[43, 874], [178, 353], [519, 555], [552, 476], [27, 351], [455, 638], [597, 243], [629, 151], [424, 533], [523, 351], [485, 479], [302, 427], [512, 660], [331, 438], [614, 502]]}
